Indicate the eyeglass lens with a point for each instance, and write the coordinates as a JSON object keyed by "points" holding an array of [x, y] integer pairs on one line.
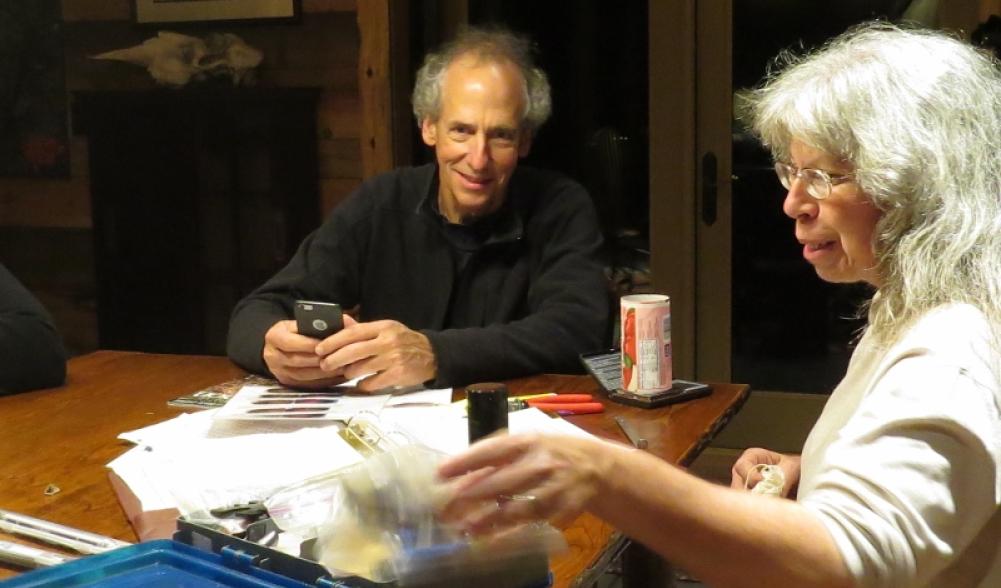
{"points": [[817, 183]]}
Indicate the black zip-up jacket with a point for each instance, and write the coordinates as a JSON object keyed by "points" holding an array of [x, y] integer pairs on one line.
{"points": [[527, 300], [31, 351]]}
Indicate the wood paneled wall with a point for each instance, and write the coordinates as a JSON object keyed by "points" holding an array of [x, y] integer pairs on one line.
{"points": [[341, 46]]}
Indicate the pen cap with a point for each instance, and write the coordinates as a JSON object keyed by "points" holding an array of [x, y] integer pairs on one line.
{"points": [[486, 405]]}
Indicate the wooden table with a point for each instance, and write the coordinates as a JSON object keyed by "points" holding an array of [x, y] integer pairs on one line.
{"points": [[64, 436]]}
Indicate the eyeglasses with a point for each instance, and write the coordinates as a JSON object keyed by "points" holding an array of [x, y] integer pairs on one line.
{"points": [[818, 182]]}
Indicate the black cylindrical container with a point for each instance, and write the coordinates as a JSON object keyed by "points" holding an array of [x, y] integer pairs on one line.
{"points": [[486, 407]]}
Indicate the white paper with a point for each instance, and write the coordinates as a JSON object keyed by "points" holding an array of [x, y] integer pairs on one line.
{"points": [[197, 460], [187, 425], [138, 472], [446, 429], [198, 473], [433, 397]]}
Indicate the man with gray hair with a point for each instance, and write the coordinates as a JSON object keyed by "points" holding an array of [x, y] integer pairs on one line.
{"points": [[470, 268]]}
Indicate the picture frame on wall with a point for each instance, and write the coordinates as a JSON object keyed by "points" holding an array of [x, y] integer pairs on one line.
{"points": [[160, 12]]}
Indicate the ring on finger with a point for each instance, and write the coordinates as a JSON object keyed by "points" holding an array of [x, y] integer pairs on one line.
{"points": [[531, 504], [505, 498]]}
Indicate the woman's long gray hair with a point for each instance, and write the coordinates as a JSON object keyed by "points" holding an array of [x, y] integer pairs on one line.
{"points": [[917, 114], [490, 45]]}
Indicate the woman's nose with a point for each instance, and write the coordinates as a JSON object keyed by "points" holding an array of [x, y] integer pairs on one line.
{"points": [[798, 202]]}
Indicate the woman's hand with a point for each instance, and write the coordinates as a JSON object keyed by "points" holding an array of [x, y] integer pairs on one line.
{"points": [[744, 474], [505, 480]]}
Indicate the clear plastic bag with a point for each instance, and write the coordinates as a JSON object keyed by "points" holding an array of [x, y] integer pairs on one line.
{"points": [[378, 520], [386, 529], [301, 508], [386, 506]]}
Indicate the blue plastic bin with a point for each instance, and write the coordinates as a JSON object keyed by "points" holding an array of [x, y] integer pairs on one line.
{"points": [[154, 564]]}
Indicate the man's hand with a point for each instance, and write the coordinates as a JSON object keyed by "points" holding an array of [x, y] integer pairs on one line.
{"points": [[396, 355], [744, 475], [292, 358]]}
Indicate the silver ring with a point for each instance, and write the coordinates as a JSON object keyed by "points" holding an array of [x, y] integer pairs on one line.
{"points": [[515, 498]]}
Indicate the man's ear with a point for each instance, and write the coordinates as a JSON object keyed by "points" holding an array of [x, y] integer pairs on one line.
{"points": [[525, 143], [429, 132]]}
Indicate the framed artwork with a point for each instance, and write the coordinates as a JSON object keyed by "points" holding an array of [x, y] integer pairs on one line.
{"points": [[201, 11], [34, 140]]}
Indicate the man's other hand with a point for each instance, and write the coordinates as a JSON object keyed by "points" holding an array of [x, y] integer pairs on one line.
{"points": [[293, 360], [394, 354]]}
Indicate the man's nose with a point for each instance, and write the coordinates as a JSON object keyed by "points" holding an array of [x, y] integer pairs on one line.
{"points": [[479, 153]]}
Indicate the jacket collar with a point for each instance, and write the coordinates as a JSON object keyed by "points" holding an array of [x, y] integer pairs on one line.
{"points": [[507, 224]]}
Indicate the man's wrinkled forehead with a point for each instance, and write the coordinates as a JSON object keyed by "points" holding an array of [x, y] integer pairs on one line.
{"points": [[511, 74]]}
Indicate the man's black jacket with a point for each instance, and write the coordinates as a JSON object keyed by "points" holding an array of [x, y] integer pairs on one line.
{"points": [[527, 300]]}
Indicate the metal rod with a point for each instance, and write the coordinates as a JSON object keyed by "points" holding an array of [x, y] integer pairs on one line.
{"points": [[637, 441], [56, 534], [27, 556]]}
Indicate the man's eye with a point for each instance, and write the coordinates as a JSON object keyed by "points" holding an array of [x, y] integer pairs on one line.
{"points": [[461, 131], [503, 138]]}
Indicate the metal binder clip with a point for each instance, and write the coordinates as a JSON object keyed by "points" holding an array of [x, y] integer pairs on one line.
{"points": [[250, 510]]}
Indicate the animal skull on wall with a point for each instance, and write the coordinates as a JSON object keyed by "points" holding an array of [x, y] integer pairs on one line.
{"points": [[174, 59]]}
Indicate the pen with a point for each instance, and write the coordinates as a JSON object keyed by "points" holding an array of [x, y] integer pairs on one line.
{"points": [[559, 399], [561, 404], [30, 557], [75, 539], [512, 399], [573, 409], [590, 408]]}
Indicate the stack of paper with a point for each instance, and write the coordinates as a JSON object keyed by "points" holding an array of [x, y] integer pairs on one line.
{"points": [[209, 459], [179, 464]]}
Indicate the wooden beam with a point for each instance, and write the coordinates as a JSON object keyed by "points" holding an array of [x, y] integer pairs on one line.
{"points": [[337, 115], [319, 6], [338, 158], [91, 10], [987, 8], [375, 87], [334, 191], [672, 165], [401, 82]]}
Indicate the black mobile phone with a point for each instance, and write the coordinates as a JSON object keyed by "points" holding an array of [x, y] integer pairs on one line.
{"points": [[318, 319]]}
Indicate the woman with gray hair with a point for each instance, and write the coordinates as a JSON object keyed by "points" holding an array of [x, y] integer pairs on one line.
{"points": [[889, 144]]}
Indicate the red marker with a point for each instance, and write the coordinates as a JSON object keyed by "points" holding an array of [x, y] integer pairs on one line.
{"points": [[567, 404]]}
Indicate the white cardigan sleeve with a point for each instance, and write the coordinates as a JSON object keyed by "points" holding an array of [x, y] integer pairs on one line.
{"points": [[908, 482]]}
